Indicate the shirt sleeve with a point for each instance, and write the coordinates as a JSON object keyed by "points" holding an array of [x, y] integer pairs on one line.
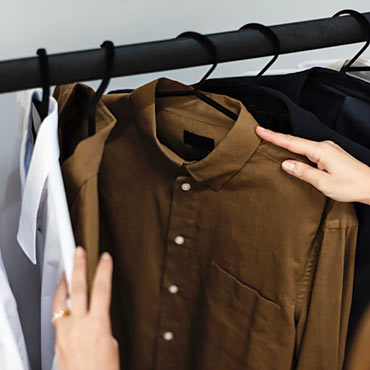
{"points": [[323, 300]]}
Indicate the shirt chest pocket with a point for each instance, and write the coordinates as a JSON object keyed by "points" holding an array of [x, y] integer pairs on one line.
{"points": [[240, 329]]}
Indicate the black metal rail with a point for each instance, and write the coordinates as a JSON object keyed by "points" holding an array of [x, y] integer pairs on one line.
{"points": [[87, 65]]}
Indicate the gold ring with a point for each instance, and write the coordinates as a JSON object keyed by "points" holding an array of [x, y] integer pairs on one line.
{"points": [[59, 315]]}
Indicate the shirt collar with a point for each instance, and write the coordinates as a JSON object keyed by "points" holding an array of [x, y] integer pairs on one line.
{"points": [[226, 159], [45, 154]]}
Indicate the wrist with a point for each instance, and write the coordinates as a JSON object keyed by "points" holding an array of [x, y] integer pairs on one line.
{"points": [[365, 198]]}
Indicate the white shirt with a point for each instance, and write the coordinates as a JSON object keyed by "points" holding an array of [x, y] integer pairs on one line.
{"points": [[334, 64], [337, 65], [42, 242], [13, 353]]}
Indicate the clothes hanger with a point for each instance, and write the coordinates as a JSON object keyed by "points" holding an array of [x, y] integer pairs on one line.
{"points": [[253, 93], [362, 20], [110, 54], [43, 106], [272, 37], [213, 51], [205, 41]]}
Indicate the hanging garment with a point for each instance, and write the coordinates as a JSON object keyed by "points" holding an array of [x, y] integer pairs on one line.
{"points": [[13, 353], [35, 230], [342, 104], [80, 169], [222, 260]]}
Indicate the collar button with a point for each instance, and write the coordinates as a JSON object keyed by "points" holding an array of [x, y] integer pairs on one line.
{"points": [[185, 186]]}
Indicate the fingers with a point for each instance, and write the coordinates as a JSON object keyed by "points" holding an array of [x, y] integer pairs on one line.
{"points": [[308, 148], [79, 283], [306, 172], [101, 288], [61, 294]]}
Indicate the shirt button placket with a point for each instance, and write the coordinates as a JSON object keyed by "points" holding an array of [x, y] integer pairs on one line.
{"points": [[173, 318]]}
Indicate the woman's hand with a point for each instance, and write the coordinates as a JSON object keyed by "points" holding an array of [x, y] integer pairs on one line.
{"points": [[338, 175], [84, 338]]}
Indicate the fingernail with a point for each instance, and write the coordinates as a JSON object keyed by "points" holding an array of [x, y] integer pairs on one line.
{"points": [[79, 252], [261, 129], [289, 166], [105, 256]]}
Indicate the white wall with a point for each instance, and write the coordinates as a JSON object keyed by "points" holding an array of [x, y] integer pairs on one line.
{"points": [[68, 25]]}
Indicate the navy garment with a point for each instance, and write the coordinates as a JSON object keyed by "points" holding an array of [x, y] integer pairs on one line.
{"points": [[339, 101], [323, 105]]}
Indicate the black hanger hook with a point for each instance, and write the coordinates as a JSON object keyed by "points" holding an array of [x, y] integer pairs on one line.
{"points": [[44, 68], [110, 54], [206, 42], [365, 24], [272, 37]]}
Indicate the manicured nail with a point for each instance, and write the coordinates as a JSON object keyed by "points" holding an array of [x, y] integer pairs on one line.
{"points": [[105, 256], [262, 130], [289, 166], [79, 252]]}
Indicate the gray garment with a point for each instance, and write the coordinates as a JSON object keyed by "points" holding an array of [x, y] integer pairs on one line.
{"points": [[24, 276]]}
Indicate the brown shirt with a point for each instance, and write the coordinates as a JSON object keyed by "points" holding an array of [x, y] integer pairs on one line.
{"points": [[226, 262]]}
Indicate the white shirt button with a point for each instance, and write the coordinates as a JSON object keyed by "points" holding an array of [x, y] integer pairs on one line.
{"points": [[185, 186], [179, 240], [168, 335], [173, 289]]}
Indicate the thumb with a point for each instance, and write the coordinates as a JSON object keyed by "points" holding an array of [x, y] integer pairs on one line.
{"points": [[305, 172]]}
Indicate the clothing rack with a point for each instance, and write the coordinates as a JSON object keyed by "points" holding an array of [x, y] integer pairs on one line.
{"points": [[87, 65]]}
